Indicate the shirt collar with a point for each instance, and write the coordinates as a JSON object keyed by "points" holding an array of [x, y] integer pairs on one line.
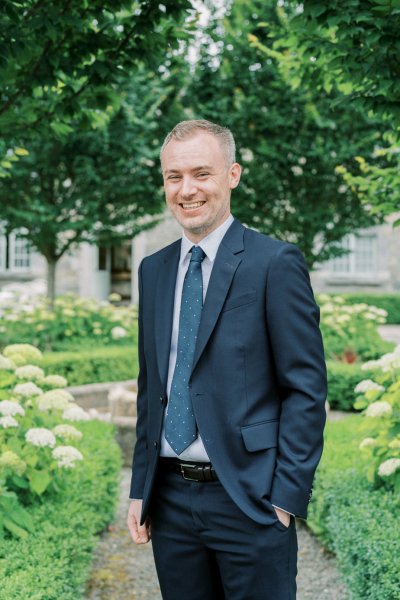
{"points": [[209, 244]]}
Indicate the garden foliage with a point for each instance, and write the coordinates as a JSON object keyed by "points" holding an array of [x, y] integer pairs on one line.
{"points": [[350, 332], [53, 563], [358, 522], [74, 322], [39, 446], [96, 365], [389, 302], [380, 399]]}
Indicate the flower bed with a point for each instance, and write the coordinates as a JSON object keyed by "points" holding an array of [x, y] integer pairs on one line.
{"points": [[58, 481], [53, 562], [350, 332], [73, 322]]}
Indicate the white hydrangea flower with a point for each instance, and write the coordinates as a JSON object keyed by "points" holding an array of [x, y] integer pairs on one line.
{"points": [[343, 318], [118, 332], [379, 409], [367, 442], [54, 399], [389, 467], [40, 436], [370, 365], [27, 389], [75, 413], [6, 364], [8, 407], [27, 351], [29, 372], [370, 316], [67, 432], [11, 460], [114, 297], [8, 421], [66, 456], [55, 381], [366, 385]]}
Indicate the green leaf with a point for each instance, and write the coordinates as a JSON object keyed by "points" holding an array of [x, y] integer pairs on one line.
{"points": [[14, 528], [39, 481]]}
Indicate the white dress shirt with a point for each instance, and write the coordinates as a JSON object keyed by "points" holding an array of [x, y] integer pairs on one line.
{"points": [[209, 245]]}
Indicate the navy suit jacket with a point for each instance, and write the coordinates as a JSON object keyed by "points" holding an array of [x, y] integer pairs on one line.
{"points": [[258, 382]]}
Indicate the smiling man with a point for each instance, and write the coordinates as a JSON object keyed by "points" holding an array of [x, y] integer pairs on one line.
{"points": [[231, 389]]}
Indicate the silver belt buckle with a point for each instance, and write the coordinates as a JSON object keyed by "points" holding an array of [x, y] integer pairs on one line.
{"points": [[186, 477]]}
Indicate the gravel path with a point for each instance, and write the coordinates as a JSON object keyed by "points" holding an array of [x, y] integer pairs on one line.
{"points": [[123, 571]]}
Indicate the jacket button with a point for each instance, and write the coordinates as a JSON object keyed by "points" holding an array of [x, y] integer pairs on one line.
{"points": [[155, 445], [163, 400]]}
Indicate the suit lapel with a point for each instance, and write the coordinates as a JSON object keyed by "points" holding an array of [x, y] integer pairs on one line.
{"points": [[226, 263], [164, 303]]}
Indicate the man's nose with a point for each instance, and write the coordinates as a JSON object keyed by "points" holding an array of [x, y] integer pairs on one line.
{"points": [[189, 187]]}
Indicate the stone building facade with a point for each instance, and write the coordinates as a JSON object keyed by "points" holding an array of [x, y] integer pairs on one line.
{"points": [[372, 265]]}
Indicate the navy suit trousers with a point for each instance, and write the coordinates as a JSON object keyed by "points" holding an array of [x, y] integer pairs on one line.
{"points": [[206, 548]]}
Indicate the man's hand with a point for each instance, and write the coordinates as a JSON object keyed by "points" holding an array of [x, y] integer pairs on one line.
{"points": [[283, 516], [140, 533]]}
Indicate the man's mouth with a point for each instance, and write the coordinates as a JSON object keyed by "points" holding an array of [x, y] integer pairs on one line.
{"points": [[191, 205]]}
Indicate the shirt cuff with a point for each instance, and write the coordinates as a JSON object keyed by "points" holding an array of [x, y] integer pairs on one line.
{"points": [[286, 511]]}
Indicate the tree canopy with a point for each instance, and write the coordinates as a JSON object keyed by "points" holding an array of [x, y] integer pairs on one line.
{"points": [[64, 60], [101, 185], [289, 140], [354, 49]]}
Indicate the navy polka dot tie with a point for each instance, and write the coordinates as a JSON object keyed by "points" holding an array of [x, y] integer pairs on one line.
{"points": [[180, 426]]}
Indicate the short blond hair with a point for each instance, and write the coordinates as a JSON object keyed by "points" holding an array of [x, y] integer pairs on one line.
{"points": [[185, 129]]}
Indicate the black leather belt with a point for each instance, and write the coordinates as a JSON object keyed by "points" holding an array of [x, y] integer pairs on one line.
{"points": [[190, 471]]}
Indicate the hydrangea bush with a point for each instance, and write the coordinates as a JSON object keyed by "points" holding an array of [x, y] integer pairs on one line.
{"points": [[73, 321], [380, 400], [350, 332], [39, 435]]}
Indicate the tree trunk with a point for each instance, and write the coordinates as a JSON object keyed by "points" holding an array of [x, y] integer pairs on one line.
{"points": [[51, 282]]}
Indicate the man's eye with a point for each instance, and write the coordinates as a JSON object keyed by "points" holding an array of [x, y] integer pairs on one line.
{"points": [[203, 174], [173, 177]]}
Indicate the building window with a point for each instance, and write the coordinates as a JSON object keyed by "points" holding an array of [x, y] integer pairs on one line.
{"points": [[15, 253], [361, 258]]}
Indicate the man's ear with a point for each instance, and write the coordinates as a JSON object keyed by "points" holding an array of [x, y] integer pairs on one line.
{"points": [[234, 175]]}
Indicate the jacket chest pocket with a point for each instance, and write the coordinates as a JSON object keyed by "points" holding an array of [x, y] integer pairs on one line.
{"points": [[240, 300]]}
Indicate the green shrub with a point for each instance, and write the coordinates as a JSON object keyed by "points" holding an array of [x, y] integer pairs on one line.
{"points": [[350, 332], [73, 321], [360, 524], [94, 365], [39, 448], [388, 302], [342, 379], [53, 563]]}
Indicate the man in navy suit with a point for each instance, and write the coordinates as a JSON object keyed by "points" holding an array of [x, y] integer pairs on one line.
{"points": [[231, 389]]}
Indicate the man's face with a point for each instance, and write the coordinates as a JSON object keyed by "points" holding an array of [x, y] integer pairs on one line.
{"points": [[198, 183]]}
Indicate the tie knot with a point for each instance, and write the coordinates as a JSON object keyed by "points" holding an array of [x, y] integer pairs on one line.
{"points": [[197, 254]]}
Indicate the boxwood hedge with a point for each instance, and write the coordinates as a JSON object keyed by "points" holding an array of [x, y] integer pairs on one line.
{"points": [[361, 525]]}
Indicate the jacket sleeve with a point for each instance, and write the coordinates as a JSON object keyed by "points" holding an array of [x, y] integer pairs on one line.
{"points": [[293, 324], [139, 465]]}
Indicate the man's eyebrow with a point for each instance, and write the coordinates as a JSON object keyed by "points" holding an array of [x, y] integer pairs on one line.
{"points": [[200, 168]]}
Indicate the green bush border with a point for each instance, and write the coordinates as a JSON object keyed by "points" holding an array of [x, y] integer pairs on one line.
{"points": [[93, 365], [389, 302], [53, 563], [359, 524]]}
